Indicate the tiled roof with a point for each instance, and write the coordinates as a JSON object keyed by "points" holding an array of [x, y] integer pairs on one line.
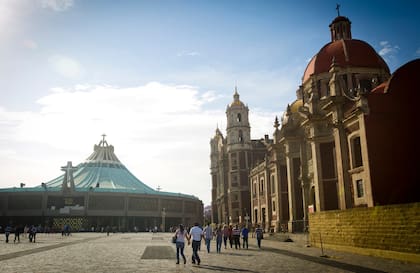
{"points": [[346, 53]]}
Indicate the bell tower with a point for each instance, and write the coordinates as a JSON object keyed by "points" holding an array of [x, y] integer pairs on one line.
{"points": [[238, 130], [239, 153]]}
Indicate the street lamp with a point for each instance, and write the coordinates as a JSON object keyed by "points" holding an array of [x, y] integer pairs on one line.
{"points": [[163, 219], [246, 219]]}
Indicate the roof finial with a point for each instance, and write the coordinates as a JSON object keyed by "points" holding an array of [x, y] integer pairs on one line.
{"points": [[276, 123], [103, 141], [337, 7], [236, 95]]}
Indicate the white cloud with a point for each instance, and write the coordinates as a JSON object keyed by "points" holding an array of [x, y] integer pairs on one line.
{"points": [[160, 132], [189, 53], [66, 66], [31, 44], [57, 5], [12, 17], [418, 51], [14, 14], [270, 89], [387, 49]]}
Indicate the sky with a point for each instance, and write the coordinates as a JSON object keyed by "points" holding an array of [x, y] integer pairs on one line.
{"points": [[156, 77]]}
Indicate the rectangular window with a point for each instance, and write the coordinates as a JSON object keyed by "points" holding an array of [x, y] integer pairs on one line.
{"points": [[360, 190], [234, 162], [261, 186], [274, 205], [273, 185], [357, 153]]}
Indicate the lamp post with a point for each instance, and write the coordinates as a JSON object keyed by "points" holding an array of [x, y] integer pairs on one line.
{"points": [[246, 219], [163, 219], [44, 202]]}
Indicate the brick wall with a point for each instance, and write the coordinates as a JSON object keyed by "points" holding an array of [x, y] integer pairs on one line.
{"points": [[393, 227]]}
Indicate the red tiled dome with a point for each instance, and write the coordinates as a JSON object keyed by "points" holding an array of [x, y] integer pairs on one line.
{"points": [[347, 53]]}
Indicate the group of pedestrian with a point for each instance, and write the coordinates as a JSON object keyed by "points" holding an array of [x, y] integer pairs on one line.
{"points": [[181, 234], [18, 230], [233, 235], [221, 233], [65, 230]]}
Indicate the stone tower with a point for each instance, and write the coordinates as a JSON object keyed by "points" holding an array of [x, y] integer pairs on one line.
{"points": [[219, 202], [238, 148]]}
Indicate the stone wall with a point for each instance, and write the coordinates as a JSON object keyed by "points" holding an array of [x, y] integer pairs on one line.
{"points": [[391, 228]]}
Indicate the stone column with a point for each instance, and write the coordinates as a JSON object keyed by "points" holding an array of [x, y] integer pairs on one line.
{"points": [[343, 165], [305, 183], [319, 187], [291, 186]]}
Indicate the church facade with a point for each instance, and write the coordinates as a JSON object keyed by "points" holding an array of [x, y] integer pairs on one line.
{"points": [[345, 142], [231, 160]]}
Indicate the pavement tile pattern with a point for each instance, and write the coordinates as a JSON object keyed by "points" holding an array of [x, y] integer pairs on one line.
{"points": [[154, 252]]}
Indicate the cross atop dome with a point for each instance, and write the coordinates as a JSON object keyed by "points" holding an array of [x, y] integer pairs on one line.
{"points": [[340, 27], [103, 142]]}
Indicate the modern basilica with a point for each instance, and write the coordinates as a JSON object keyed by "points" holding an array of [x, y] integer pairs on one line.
{"points": [[99, 192]]}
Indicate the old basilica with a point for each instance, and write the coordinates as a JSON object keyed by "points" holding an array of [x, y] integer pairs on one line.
{"points": [[347, 141]]}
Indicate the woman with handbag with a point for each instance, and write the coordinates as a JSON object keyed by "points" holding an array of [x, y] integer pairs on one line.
{"points": [[179, 237]]}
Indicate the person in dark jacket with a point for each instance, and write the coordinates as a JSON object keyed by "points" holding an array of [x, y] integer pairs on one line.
{"points": [[18, 231], [7, 231]]}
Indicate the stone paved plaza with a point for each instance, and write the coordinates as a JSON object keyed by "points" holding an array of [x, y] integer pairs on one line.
{"points": [[153, 252]]}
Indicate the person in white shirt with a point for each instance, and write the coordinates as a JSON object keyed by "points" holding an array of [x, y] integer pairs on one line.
{"points": [[208, 236], [196, 233], [181, 234]]}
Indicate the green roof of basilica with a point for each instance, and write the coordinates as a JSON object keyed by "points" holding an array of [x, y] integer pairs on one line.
{"points": [[102, 171]]}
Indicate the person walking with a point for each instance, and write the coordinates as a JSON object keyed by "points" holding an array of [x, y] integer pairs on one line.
{"points": [[259, 235], [25, 231], [225, 235], [7, 231], [32, 233], [219, 238], [244, 233], [196, 233], [18, 230], [208, 236], [230, 235], [181, 234], [236, 234]]}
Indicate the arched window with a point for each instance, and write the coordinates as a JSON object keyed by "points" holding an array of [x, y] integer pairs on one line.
{"points": [[238, 117], [240, 137]]}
